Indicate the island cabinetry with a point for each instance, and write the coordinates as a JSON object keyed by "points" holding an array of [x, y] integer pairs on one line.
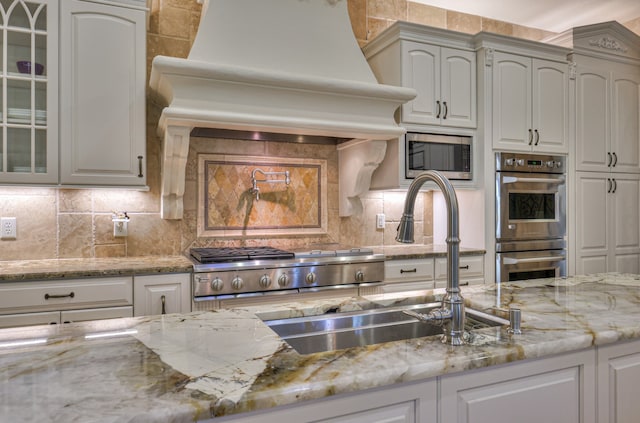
{"points": [[530, 104], [556, 389], [63, 301], [440, 65], [618, 378], [162, 294], [408, 403], [607, 222]]}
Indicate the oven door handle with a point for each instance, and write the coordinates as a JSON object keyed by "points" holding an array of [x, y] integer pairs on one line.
{"points": [[516, 179], [510, 261]]}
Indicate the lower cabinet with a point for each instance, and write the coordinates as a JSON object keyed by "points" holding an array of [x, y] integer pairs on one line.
{"points": [[162, 294], [618, 381], [60, 301], [408, 403], [555, 389]]}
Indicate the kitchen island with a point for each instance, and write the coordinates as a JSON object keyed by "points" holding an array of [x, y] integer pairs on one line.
{"points": [[227, 364]]}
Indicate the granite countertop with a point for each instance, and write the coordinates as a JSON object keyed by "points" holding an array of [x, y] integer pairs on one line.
{"points": [[417, 251], [195, 366], [28, 270]]}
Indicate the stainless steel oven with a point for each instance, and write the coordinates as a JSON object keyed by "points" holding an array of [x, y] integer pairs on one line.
{"points": [[530, 216]]}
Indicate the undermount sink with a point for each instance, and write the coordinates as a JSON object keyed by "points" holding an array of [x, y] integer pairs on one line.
{"points": [[335, 331]]}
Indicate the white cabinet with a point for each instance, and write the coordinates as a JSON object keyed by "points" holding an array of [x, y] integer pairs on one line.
{"points": [[607, 222], [102, 92], [555, 389], [445, 80], [29, 97], [162, 294], [60, 301], [470, 272], [530, 104], [439, 64], [618, 380], [79, 118], [608, 112], [408, 403], [428, 273]]}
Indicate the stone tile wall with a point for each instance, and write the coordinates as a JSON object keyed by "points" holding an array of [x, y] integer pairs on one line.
{"points": [[77, 223]]}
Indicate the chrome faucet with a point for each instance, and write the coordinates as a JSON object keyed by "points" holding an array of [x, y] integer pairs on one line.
{"points": [[450, 315]]}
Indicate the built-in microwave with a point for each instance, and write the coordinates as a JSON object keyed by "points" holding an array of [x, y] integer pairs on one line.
{"points": [[450, 154]]}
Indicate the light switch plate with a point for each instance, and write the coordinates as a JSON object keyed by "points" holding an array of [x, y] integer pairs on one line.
{"points": [[8, 228]]}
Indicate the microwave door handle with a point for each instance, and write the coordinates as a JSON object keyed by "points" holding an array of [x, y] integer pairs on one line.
{"points": [[510, 261], [515, 179]]}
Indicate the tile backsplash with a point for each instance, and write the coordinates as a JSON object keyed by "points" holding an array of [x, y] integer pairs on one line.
{"points": [[67, 223]]}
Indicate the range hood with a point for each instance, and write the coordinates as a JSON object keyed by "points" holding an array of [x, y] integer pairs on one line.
{"points": [[290, 67]]}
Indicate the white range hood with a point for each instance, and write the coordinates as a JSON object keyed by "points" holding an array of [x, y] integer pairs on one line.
{"points": [[288, 67]]}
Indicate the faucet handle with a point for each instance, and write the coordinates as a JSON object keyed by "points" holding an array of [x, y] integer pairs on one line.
{"points": [[514, 321]]}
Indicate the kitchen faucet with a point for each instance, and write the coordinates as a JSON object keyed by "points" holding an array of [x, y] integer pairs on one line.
{"points": [[450, 315]]}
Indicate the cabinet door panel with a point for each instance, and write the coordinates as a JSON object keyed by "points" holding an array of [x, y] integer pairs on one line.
{"points": [[458, 87], [103, 95], [160, 294], [592, 115], [550, 106], [592, 234], [626, 217], [618, 378], [511, 101], [421, 71], [625, 136]]}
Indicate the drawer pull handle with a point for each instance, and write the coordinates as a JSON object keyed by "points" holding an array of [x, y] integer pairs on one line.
{"points": [[164, 300], [466, 267], [464, 284], [140, 174], [70, 295], [414, 270]]}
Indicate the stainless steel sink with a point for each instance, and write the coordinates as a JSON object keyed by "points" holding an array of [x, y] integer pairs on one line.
{"points": [[335, 331]]}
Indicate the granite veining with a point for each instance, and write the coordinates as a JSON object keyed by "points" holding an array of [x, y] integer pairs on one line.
{"points": [[196, 366], [28, 270]]}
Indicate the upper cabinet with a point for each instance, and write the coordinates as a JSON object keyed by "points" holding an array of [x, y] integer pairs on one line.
{"points": [[29, 91], [102, 93], [525, 88], [530, 104], [608, 111], [73, 102], [440, 65]]}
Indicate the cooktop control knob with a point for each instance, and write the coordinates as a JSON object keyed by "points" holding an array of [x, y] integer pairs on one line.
{"points": [[237, 283], [217, 284], [359, 276], [283, 280], [310, 278], [265, 281]]}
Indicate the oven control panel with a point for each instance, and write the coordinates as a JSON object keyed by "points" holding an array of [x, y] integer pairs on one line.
{"points": [[534, 163]]}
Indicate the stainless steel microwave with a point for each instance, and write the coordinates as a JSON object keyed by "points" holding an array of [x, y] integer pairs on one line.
{"points": [[450, 154]]}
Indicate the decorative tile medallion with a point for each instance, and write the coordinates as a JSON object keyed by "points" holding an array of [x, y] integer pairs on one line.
{"points": [[251, 195]]}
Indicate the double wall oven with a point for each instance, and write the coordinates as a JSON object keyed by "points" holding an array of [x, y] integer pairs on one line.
{"points": [[530, 216]]}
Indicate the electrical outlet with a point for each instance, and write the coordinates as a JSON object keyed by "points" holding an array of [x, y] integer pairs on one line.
{"points": [[8, 228], [120, 227], [380, 221]]}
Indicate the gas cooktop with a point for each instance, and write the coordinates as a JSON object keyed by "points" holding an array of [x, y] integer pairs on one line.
{"points": [[229, 254]]}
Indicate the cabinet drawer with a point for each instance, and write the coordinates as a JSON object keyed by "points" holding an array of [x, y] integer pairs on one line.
{"points": [[70, 316], [65, 294], [408, 270], [470, 267], [29, 319]]}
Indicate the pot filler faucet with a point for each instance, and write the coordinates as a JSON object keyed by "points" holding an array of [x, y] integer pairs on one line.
{"points": [[451, 313]]}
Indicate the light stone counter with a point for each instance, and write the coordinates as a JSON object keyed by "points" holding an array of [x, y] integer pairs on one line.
{"points": [[183, 368]]}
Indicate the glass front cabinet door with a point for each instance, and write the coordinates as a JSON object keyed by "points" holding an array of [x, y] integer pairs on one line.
{"points": [[28, 116]]}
